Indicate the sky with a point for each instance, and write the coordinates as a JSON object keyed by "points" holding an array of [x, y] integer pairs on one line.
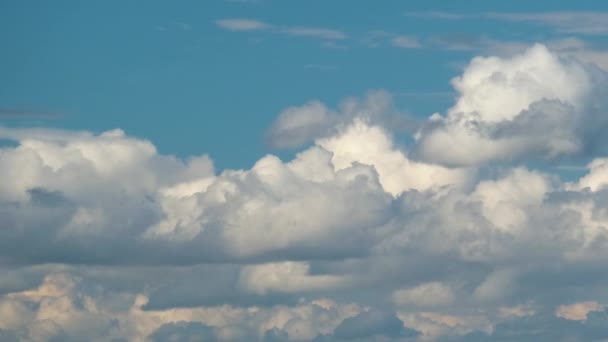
{"points": [[289, 170]]}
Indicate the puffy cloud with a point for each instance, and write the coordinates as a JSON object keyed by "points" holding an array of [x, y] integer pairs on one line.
{"points": [[64, 308], [543, 327], [578, 311], [286, 277], [184, 331], [371, 145], [597, 178], [296, 126], [370, 324], [299, 125], [513, 108], [424, 295], [102, 237]]}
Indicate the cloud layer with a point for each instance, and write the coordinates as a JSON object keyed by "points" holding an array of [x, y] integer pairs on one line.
{"points": [[453, 237]]}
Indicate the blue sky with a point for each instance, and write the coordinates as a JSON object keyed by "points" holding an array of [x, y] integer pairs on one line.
{"points": [[291, 170], [167, 71]]}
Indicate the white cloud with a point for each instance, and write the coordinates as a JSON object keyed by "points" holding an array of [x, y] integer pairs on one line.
{"points": [[597, 178], [424, 295], [245, 24], [296, 126], [360, 143], [317, 32], [566, 21], [240, 24], [531, 104], [104, 237], [582, 22], [499, 89], [286, 277], [60, 308], [578, 311]]}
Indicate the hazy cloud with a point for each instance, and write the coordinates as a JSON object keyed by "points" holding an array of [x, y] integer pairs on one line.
{"points": [[314, 32], [242, 24]]}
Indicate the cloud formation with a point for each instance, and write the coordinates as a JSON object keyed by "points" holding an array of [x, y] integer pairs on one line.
{"points": [[358, 237], [582, 22], [246, 24], [242, 24], [534, 104]]}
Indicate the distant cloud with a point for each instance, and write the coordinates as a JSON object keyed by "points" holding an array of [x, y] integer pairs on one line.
{"points": [[376, 38], [436, 14], [353, 238], [244, 24], [582, 22], [241, 24], [593, 23], [314, 32], [406, 42]]}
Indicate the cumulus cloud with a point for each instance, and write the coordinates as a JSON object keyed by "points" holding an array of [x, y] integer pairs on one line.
{"points": [[535, 104], [354, 238], [578, 311], [424, 295], [286, 277]]}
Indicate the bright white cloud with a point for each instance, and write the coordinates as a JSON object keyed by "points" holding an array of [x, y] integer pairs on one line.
{"points": [[532, 104], [104, 237]]}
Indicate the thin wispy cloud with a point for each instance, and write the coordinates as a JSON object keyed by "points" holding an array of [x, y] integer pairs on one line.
{"points": [[314, 32], [593, 23], [244, 24], [377, 38], [581, 22], [436, 14], [406, 42], [238, 24]]}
